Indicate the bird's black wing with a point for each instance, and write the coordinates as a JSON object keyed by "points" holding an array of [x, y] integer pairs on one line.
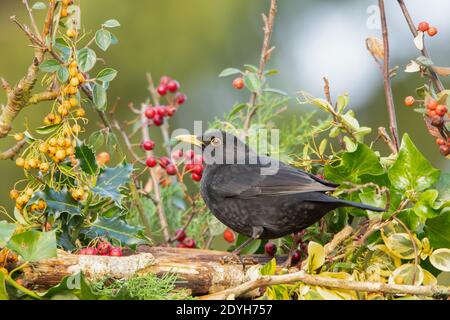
{"points": [[246, 181]]}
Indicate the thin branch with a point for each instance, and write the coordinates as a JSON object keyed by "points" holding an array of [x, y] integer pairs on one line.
{"points": [[437, 292], [330, 101], [384, 135], [265, 56], [387, 78], [412, 26], [13, 151], [43, 96], [30, 14]]}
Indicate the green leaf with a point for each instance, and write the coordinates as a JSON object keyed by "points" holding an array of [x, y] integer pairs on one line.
{"points": [[424, 61], [49, 66], [440, 259], [100, 97], [34, 245], [97, 139], [112, 23], [238, 109], [6, 232], [408, 274], [275, 91], [39, 6], [62, 74], [59, 202], [72, 287], [401, 245], [111, 180], [270, 268], [103, 39], [87, 159], [411, 170], [437, 229], [48, 129], [229, 72], [87, 58], [316, 256], [115, 228], [342, 102], [3, 293], [363, 161], [107, 75], [252, 82], [424, 208]]}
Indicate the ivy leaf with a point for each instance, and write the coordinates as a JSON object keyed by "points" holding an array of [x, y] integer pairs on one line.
{"points": [[440, 259], [111, 180], [363, 161], [6, 232], [424, 208], [87, 58], [34, 245], [436, 230], [411, 170], [107, 75], [59, 202], [49, 66], [229, 72], [115, 228], [252, 82], [103, 39], [100, 97], [316, 256], [270, 268], [112, 23], [87, 159]]}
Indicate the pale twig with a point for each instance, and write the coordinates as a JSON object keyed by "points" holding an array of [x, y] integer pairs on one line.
{"points": [[33, 21], [13, 151]]}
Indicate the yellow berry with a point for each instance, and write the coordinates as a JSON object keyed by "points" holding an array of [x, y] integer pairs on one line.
{"points": [[26, 165], [74, 102], [81, 78], [70, 151], [29, 192], [57, 119], [52, 150], [34, 207], [73, 90], [76, 128], [44, 167], [61, 142], [19, 136], [71, 33], [33, 163], [67, 142], [60, 154], [80, 113], [66, 104], [64, 12], [53, 142], [20, 162], [43, 147], [14, 194], [73, 71], [74, 64], [42, 205], [74, 82], [47, 122]]}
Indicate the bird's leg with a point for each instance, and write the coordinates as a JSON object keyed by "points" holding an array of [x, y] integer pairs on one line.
{"points": [[257, 232], [288, 262]]}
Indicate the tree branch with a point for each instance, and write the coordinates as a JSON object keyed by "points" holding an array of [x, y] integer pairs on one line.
{"points": [[13, 151]]}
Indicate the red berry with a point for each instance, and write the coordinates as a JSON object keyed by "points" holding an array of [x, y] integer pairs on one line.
{"points": [[189, 166], [180, 235], [238, 83], [229, 236], [162, 111], [197, 169], [432, 31], [424, 26], [437, 121], [164, 80], [181, 245], [189, 243], [151, 162], [177, 154], [180, 98], [171, 111], [410, 101], [173, 86], [440, 142], [431, 113], [171, 170], [162, 89], [441, 110], [158, 120], [148, 145], [432, 104], [445, 150], [90, 251], [196, 177], [82, 251], [103, 248], [296, 256], [150, 113], [190, 154], [116, 252], [270, 248], [164, 162]]}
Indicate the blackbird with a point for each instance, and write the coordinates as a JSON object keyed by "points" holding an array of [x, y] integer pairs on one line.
{"points": [[258, 204]]}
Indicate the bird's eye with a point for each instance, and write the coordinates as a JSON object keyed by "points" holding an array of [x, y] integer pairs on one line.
{"points": [[215, 142]]}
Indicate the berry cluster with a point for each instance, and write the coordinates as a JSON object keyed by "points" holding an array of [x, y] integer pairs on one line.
{"points": [[167, 88], [425, 27], [183, 240], [103, 248]]}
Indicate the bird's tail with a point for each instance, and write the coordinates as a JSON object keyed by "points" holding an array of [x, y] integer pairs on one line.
{"points": [[363, 206]]}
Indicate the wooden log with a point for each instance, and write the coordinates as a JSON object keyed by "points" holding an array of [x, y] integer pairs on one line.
{"points": [[201, 271]]}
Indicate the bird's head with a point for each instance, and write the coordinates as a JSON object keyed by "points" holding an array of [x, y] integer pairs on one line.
{"points": [[219, 147]]}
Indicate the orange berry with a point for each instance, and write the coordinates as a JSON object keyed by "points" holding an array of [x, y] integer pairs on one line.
{"points": [[81, 78], [73, 71], [238, 83], [432, 104], [70, 151], [64, 12], [432, 31], [42, 205], [440, 142], [74, 64], [73, 90], [431, 113], [441, 110], [74, 102], [103, 158], [410, 101], [74, 82], [14, 194], [80, 113], [424, 26], [53, 142], [71, 33]]}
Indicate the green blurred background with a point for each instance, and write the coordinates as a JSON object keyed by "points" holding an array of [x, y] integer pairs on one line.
{"points": [[194, 40]]}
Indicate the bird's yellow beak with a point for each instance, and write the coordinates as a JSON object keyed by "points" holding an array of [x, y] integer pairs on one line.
{"points": [[193, 140]]}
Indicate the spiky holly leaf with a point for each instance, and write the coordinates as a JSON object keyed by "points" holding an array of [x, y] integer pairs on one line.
{"points": [[59, 202], [86, 155], [34, 245], [115, 228], [111, 181]]}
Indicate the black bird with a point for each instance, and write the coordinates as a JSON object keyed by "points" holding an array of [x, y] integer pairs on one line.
{"points": [[257, 205]]}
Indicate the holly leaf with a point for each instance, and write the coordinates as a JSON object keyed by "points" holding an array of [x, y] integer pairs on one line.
{"points": [[59, 202], [411, 170], [115, 228], [34, 245], [362, 161], [87, 159], [111, 180], [6, 232]]}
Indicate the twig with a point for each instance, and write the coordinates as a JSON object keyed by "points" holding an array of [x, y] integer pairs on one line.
{"points": [[384, 135], [265, 56], [13, 151], [30, 14], [43, 96], [127, 142], [437, 292], [330, 101], [434, 77], [387, 78]]}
